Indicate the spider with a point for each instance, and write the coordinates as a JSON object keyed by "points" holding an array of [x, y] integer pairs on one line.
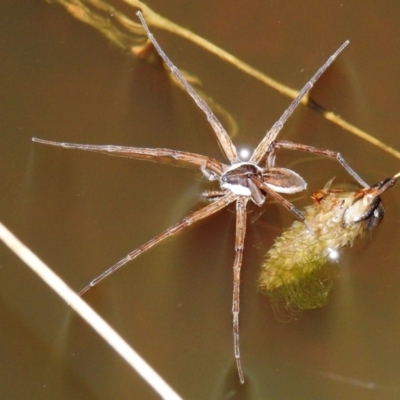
{"points": [[240, 181]]}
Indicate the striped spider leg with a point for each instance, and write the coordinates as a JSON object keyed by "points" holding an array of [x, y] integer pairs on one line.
{"points": [[239, 181]]}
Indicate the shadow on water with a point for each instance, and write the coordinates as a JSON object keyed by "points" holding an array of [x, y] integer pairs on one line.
{"points": [[81, 212]]}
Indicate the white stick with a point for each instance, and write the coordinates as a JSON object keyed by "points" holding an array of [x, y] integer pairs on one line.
{"points": [[89, 315]]}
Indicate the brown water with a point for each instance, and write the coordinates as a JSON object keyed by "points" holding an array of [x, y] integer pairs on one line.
{"points": [[81, 212]]}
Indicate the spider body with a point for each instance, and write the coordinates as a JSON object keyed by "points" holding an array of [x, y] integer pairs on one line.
{"points": [[240, 181], [249, 180]]}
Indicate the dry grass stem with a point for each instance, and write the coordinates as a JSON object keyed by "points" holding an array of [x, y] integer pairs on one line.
{"points": [[88, 314]]}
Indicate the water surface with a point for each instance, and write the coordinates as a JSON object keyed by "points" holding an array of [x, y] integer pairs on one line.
{"points": [[81, 212]]}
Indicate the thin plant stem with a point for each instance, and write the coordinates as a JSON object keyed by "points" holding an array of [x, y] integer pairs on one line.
{"points": [[88, 314]]}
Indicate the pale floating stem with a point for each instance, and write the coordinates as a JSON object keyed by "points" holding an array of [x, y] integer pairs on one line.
{"points": [[80, 10], [347, 126], [89, 315]]}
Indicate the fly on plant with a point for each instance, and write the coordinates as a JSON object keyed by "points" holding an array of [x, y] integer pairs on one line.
{"points": [[295, 275], [240, 181]]}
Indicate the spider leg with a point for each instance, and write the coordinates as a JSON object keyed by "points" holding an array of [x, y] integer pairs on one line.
{"points": [[214, 194], [239, 247], [284, 144], [271, 135], [189, 220], [287, 204], [224, 140], [167, 156]]}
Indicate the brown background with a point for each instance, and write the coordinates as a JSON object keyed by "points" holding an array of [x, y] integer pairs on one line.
{"points": [[81, 212]]}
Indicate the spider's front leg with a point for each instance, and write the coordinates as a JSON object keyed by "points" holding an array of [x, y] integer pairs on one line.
{"points": [[271, 135], [227, 147]]}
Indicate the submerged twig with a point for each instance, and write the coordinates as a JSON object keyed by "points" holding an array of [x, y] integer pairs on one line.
{"points": [[118, 28]]}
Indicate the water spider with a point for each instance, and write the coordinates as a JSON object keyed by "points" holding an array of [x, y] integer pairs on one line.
{"points": [[240, 181]]}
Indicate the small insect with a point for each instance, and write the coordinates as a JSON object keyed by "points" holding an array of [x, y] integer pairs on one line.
{"points": [[239, 181], [293, 274]]}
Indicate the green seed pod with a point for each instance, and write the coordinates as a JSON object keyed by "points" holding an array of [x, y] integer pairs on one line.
{"points": [[293, 274]]}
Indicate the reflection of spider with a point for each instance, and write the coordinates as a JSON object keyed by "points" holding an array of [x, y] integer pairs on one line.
{"points": [[239, 181]]}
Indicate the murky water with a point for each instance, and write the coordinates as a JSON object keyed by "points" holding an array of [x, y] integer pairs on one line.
{"points": [[81, 212]]}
